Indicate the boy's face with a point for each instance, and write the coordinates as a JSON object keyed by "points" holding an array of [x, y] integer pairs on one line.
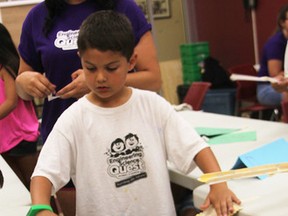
{"points": [[105, 74]]}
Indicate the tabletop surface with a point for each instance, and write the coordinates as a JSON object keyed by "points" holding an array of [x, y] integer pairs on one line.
{"points": [[14, 197], [259, 197]]}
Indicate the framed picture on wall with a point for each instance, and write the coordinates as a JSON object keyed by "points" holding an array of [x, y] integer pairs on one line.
{"points": [[160, 8]]}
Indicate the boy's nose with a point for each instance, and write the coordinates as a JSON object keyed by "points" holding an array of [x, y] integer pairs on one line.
{"points": [[101, 77]]}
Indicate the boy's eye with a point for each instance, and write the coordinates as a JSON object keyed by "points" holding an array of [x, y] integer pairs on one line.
{"points": [[91, 68], [111, 68]]}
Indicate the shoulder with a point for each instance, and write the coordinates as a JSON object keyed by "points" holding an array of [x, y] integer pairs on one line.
{"points": [[77, 106], [131, 10], [126, 4], [275, 45], [151, 99], [72, 114], [136, 17], [277, 39], [140, 93], [35, 15], [38, 10]]}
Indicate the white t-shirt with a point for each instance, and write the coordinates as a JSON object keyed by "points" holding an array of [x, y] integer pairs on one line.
{"points": [[117, 157]]}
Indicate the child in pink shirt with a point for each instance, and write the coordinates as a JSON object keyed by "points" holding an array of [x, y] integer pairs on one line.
{"points": [[18, 121]]}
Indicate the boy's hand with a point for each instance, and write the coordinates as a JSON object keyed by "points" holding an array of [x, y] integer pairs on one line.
{"points": [[221, 198]]}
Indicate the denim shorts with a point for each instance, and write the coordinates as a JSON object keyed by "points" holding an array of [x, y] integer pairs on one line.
{"points": [[267, 95]]}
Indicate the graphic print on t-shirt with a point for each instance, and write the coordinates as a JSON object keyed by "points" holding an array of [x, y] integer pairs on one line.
{"points": [[67, 40], [125, 160]]}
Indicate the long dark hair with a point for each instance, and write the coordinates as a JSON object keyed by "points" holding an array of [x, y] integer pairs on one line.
{"points": [[56, 7], [282, 16], [9, 57]]}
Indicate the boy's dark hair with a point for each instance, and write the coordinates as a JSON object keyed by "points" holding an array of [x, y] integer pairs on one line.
{"points": [[56, 7], [107, 31], [9, 57]]}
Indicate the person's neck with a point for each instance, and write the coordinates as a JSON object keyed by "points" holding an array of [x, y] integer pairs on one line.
{"points": [[285, 33], [114, 101], [75, 2]]}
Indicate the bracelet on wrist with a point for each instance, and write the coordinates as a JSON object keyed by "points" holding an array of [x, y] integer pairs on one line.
{"points": [[34, 209]]}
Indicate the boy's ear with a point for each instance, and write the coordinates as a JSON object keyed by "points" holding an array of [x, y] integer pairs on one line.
{"points": [[132, 61], [78, 53]]}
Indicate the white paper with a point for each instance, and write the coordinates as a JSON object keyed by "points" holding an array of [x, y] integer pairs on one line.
{"points": [[52, 97], [235, 77]]}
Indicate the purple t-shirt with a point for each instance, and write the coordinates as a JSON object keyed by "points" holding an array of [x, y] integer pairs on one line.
{"points": [[273, 49], [56, 54]]}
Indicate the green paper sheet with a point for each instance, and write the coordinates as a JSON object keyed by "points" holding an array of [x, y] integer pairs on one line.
{"points": [[233, 137], [210, 132]]}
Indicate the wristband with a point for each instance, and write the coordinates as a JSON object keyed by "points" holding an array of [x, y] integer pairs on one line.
{"points": [[37, 208]]}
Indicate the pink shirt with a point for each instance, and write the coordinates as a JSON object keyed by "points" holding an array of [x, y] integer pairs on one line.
{"points": [[21, 124]]}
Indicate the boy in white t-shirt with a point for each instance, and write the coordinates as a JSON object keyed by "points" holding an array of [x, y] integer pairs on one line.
{"points": [[115, 142]]}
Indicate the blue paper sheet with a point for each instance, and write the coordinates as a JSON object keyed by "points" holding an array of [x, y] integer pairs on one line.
{"points": [[271, 153]]}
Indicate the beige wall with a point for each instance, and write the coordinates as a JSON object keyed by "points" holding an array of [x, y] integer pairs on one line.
{"points": [[12, 18], [170, 32]]}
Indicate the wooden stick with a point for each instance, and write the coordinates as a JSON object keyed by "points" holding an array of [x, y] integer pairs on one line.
{"points": [[215, 177], [58, 206]]}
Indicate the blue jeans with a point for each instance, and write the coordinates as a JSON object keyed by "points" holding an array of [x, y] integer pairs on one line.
{"points": [[267, 95]]}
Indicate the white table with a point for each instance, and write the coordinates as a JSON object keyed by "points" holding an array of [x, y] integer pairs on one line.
{"points": [[14, 197], [266, 197], [259, 197]]}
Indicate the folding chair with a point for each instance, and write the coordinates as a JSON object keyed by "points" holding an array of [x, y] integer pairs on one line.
{"points": [[196, 94], [246, 94]]}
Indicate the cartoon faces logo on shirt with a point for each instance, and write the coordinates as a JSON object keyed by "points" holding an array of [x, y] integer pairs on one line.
{"points": [[67, 40], [117, 147], [125, 160]]}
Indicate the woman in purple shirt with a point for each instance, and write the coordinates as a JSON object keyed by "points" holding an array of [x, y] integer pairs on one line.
{"points": [[272, 62], [48, 49]]}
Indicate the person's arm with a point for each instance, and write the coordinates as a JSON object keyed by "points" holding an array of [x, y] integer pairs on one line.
{"points": [[30, 83], [10, 92], [40, 189], [219, 196], [148, 74], [275, 68]]}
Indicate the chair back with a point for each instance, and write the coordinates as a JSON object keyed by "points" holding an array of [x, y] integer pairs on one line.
{"points": [[284, 106], [246, 90], [196, 94]]}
